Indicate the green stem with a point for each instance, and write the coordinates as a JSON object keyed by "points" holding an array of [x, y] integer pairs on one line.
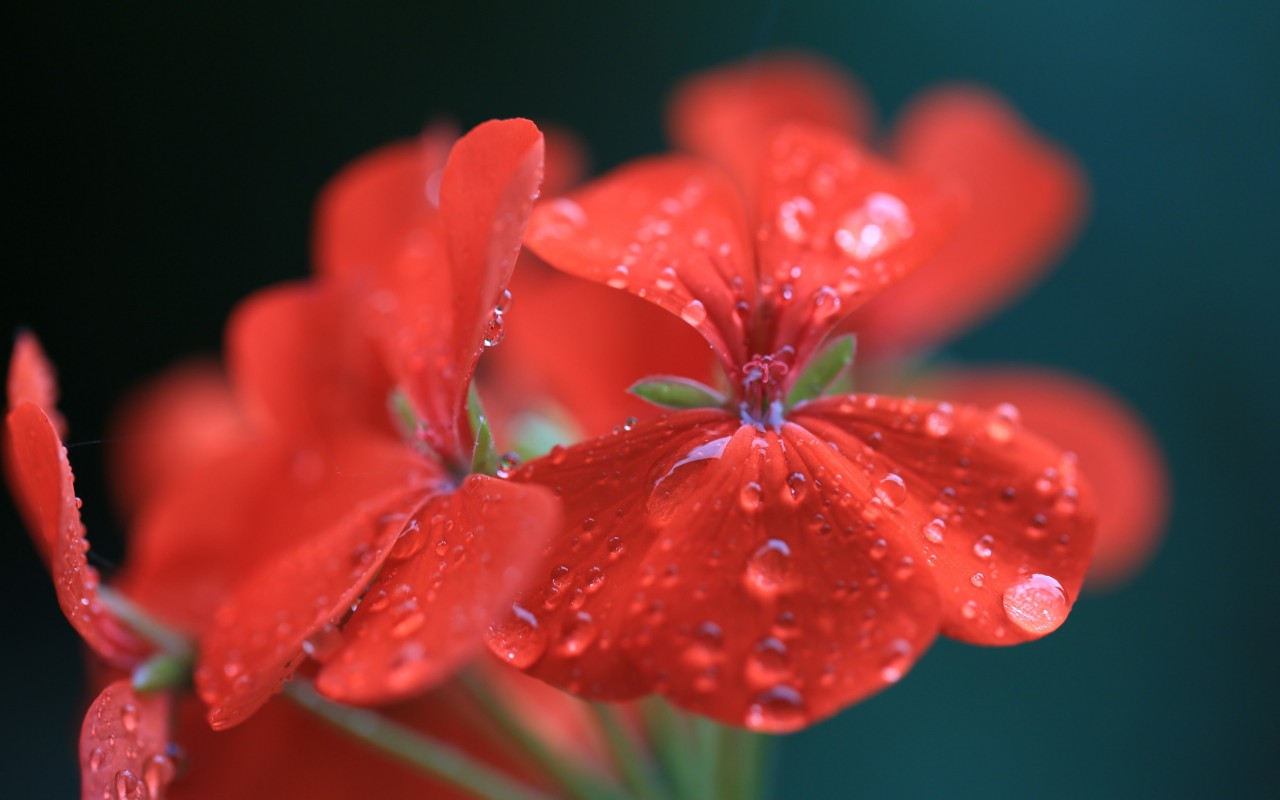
{"points": [[629, 755], [148, 627], [745, 764], [578, 784], [670, 738], [411, 747], [709, 742]]}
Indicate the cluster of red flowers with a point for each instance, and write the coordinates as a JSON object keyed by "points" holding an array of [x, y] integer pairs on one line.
{"points": [[746, 533]]}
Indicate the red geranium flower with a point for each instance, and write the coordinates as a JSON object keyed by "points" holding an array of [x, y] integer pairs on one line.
{"points": [[776, 557], [1025, 200]]}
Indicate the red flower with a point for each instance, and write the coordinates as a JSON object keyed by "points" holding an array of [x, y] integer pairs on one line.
{"points": [[777, 558], [1025, 200]]}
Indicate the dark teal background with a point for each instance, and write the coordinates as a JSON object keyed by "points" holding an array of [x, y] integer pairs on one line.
{"points": [[162, 161]]}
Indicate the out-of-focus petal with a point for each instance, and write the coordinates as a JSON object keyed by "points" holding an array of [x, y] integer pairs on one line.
{"points": [[459, 560], [722, 566], [998, 516], [186, 417], [124, 746], [567, 160], [837, 227], [1026, 198], [1117, 453], [32, 379], [302, 366], [579, 346], [729, 114], [438, 307], [669, 229], [41, 480], [372, 209], [257, 637]]}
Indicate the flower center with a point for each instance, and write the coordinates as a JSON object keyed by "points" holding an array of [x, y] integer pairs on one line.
{"points": [[761, 388]]}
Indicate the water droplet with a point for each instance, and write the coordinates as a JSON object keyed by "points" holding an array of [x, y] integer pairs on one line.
{"points": [[750, 496], [616, 548], [797, 486], [935, 530], [411, 622], [322, 644], [969, 610], [595, 579], [977, 579], [518, 639], [898, 662], [577, 635], [1037, 604], [776, 710], [792, 216], [504, 302], [768, 663], [666, 279], [618, 277], [129, 717], [878, 549], [96, 757], [494, 331], [1003, 422], [128, 787], [826, 304], [870, 231], [768, 567], [158, 773], [982, 547], [694, 312], [892, 491], [940, 421]]}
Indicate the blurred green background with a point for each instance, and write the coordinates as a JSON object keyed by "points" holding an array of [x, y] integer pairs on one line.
{"points": [[163, 160]]}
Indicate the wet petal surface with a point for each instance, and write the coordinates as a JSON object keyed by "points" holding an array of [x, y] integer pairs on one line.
{"points": [[124, 746]]}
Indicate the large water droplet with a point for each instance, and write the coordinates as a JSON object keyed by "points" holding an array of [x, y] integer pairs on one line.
{"points": [[776, 710], [1037, 604], [1003, 422], [494, 331], [797, 486], [158, 773], [618, 277], [892, 491], [518, 639], [768, 663], [750, 496], [128, 787], [935, 530], [694, 312], [577, 635], [982, 547], [768, 567]]}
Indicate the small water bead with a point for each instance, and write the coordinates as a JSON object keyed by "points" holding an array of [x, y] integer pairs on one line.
{"points": [[694, 313], [1003, 422], [898, 662], [935, 530], [618, 277], [504, 302], [128, 786], [892, 490], [519, 639], [768, 663], [322, 644], [940, 421], [751, 496], [158, 773], [977, 579], [768, 568], [595, 579], [826, 303], [982, 547], [411, 622], [96, 758], [666, 279], [494, 331], [616, 548], [969, 610], [577, 635], [878, 549], [776, 710], [797, 486], [1037, 604], [129, 717], [850, 281]]}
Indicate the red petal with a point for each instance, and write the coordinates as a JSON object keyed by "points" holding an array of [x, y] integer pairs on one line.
{"points": [[837, 227], [438, 318], [124, 746], [1117, 453], [42, 482], [1026, 200], [730, 114], [623, 338], [567, 160], [32, 379], [257, 637], [458, 562], [998, 514], [300, 364], [668, 229], [375, 206], [187, 417], [722, 567]]}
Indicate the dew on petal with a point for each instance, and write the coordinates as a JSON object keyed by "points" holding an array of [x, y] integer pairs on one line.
{"points": [[935, 530], [879, 225], [940, 421], [1003, 422], [768, 663], [322, 644], [517, 639], [768, 568], [898, 661], [577, 635], [158, 773], [129, 718], [694, 313], [618, 278], [776, 710], [750, 496], [1037, 604], [892, 491], [982, 547]]}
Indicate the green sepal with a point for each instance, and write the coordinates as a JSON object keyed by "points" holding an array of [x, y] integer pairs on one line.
{"points": [[834, 359], [484, 457], [162, 671], [670, 391]]}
